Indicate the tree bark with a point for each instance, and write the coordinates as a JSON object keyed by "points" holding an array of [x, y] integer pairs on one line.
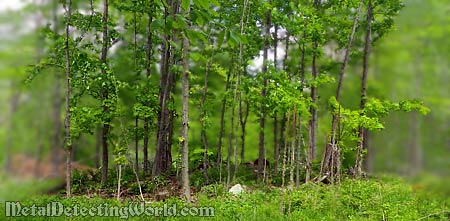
{"points": [[313, 111], [276, 149], [98, 144], [147, 86], [163, 157], [368, 162], [308, 160], [293, 136], [106, 124], [68, 142], [185, 116], [243, 116], [136, 118], [367, 48]]}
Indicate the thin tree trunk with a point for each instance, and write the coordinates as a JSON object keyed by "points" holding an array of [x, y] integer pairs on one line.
{"points": [[119, 178], [276, 149], [136, 119], [98, 144], [285, 155], [222, 123], [204, 138], [159, 161], [262, 119], [329, 152], [283, 170], [312, 144], [106, 125], [163, 158], [185, 117], [293, 136], [313, 109], [162, 115], [300, 136], [232, 147], [145, 147], [68, 141], [367, 48], [243, 116], [299, 149], [231, 133], [136, 144], [281, 143], [368, 162], [148, 70], [237, 96]]}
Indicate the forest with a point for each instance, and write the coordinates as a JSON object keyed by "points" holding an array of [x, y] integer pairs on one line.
{"points": [[225, 110]]}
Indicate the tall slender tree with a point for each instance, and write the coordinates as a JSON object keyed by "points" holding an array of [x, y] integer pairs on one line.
{"points": [[163, 156], [262, 117], [105, 93], [136, 118], [185, 113], [332, 152], [367, 48], [68, 141], [312, 141], [149, 53]]}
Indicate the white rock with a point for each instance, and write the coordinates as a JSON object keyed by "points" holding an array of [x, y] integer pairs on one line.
{"points": [[236, 189]]}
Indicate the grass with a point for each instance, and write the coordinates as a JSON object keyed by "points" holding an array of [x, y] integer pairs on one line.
{"points": [[385, 198]]}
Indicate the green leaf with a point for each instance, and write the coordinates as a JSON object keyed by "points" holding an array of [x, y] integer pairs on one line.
{"points": [[221, 38], [197, 56], [202, 3], [157, 24], [185, 4]]}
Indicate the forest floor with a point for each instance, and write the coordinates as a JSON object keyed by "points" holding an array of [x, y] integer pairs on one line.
{"points": [[382, 198]]}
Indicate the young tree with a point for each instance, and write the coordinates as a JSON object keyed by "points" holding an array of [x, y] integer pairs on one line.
{"points": [[149, 53], [262, 117], [68, 141], [163, 157], [332, 152], [185, 112], [105, 93], [313, 109], [367, 47]]}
